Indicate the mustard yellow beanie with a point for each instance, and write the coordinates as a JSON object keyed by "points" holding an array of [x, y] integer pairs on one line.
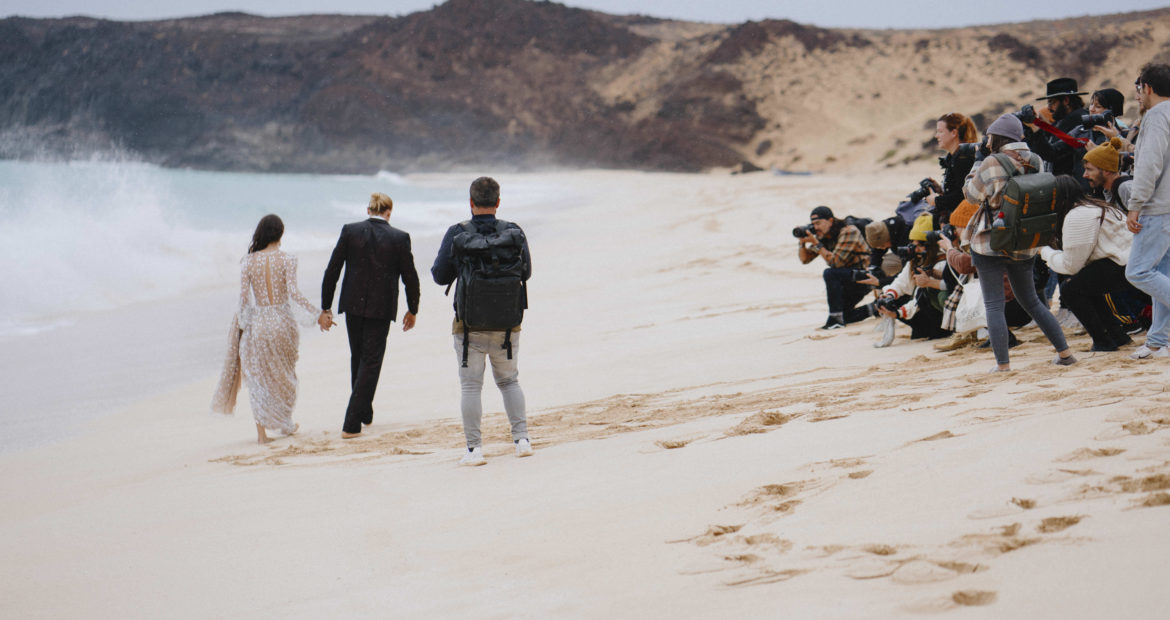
{"points": [[922, 225], [1106, 156]]}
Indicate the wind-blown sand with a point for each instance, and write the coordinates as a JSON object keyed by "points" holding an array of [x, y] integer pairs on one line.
{"points": [[702, 450]]}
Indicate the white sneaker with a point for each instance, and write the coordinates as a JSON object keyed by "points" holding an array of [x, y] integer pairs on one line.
{"points": [[1145, 351], [473, 457], [523, 447]]}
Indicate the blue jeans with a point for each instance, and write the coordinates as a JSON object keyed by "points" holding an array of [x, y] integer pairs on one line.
{"points": [[1149, 271], [489, 346], [1019, 272]]}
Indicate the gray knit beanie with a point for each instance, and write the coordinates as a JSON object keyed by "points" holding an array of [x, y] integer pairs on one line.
{"points": [[1007, 126]]}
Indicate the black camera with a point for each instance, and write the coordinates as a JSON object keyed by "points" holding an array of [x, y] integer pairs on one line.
{"points": [[800, 232], [932, 236], [1091, 120], [1026, 114], [888, 302], [925, 186], [864, 274], [1127, 161], [976, 150], [904, 252]]}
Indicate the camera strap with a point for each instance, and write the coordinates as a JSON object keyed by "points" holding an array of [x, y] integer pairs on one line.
{"points": [[1075, 143]]}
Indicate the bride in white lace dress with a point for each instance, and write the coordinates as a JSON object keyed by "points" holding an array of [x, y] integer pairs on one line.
{"points": [[264, 337]]}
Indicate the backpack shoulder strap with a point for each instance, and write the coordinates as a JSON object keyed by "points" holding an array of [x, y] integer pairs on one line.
{"points": [[467, 226], [1007, 163]]}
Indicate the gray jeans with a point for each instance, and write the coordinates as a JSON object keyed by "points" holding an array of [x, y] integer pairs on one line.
{"points": [[489, 345]]}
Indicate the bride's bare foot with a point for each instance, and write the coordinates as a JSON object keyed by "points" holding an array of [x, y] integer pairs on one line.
{"points": [[262, 437]]}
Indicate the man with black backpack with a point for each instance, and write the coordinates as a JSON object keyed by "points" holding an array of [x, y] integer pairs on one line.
{"points": [[488, 262]]}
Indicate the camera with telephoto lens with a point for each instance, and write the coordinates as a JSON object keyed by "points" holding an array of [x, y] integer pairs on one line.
{"points": [[1091, 120], [925, 186], [800, 232], [932, 236], [1026, 114]]}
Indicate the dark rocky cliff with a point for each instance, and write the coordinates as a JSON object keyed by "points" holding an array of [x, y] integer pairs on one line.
{"points": [[508, 83]]}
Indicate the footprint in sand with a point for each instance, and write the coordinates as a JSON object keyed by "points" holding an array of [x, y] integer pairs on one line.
{"points": [[870, 568], [1058, 475], [1052, 525], [921, 571], [1084, 454], [962, 598]]}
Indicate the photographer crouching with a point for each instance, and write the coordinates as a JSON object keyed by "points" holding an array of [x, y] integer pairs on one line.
{"points": [[846, 279], [916, 296]]}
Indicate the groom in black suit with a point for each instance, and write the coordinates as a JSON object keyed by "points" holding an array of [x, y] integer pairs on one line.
{"points": [[375, 255]]}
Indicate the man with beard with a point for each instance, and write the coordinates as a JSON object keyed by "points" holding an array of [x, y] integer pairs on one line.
{"points": [[1066, 107], [1103, 172]]}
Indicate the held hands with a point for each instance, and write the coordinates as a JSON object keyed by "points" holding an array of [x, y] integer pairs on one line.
{"points": [[407, 322], [325, 320]]}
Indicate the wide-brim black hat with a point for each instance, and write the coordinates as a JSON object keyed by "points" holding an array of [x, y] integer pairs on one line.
{"points": [[1061, 87]]}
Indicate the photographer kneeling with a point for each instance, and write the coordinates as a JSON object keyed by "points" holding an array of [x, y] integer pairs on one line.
{"points": [[847, 255], [914, 296]]}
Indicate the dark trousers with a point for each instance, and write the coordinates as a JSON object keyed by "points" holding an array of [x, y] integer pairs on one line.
{"points": [[1084, 294], [367, 346], [927, 321], [844, 294]]}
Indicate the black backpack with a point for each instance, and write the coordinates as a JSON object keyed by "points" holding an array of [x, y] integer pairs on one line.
{"points": [[490, 294]]}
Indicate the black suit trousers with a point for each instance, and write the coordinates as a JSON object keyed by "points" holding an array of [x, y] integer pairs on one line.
{"points": [[367, 347]]}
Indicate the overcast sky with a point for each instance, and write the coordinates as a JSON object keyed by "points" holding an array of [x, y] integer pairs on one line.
{"points": [[830, 13]]}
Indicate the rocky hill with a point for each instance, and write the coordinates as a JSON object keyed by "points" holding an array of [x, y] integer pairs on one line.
{"points": [[519, 84]]}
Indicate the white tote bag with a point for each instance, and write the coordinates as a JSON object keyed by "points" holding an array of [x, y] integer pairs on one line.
{"points": [[970, 315]]}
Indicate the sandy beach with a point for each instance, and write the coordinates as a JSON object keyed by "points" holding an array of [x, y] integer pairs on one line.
{"points": [[702, 449]]}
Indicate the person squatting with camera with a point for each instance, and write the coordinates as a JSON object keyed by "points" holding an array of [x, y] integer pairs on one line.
{"points": [[847, 278], [916, 296]]}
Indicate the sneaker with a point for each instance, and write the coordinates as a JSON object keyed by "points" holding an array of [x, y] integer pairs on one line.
{"points": [[1067, 319], [1064, 361], [523, 447], [1145, 351], [833, 323], [1134, 329], [473, 457]]}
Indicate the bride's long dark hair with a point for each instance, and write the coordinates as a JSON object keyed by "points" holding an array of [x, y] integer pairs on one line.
{"points": [[270, 229]]}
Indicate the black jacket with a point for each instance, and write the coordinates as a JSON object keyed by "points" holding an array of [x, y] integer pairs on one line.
{"points": [[955, 169], [375, 255], [1064, 158]]}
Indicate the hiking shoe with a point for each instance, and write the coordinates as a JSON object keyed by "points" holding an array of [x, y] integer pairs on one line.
{"points": [[1145, 351], [833, 323], [473, 457], [523, 447], [1064, 361]]}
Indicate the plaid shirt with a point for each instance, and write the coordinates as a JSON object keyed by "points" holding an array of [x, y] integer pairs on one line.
{"points": [[851, 250], [985, 187]]}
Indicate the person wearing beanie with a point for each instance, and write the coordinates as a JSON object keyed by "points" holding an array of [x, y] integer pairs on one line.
{"points": [[985, 187], [883, 236], [914, 296], [1066, 105], [1103, 172], [844, 250]]}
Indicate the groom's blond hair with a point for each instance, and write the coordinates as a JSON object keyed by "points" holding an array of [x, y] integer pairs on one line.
{"points": [[380, 204]]}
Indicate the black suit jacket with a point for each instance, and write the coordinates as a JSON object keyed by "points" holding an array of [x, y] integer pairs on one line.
{"points": [[375, 255]]}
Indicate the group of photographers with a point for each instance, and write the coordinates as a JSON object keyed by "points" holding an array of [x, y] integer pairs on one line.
{"points": [[932, 263]]}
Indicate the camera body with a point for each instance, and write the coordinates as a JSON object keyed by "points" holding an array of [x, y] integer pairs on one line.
{"points": [[887, 302], [933, 236], [925, 186], [1088, 121], [976, 150], [864, 274], [1026, 114], [1126, 161], [800, 232], [904, 252]]}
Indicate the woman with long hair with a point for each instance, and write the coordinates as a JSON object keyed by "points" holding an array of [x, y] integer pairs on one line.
{"points": [[985, 187], [1094, 249], [264, 339], [951, 132]]}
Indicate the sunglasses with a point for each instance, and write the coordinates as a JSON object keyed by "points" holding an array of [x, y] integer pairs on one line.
{"points": [[1138, 84]]}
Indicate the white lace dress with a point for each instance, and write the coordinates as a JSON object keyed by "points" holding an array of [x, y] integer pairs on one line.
{"points": [[263, 342]]}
